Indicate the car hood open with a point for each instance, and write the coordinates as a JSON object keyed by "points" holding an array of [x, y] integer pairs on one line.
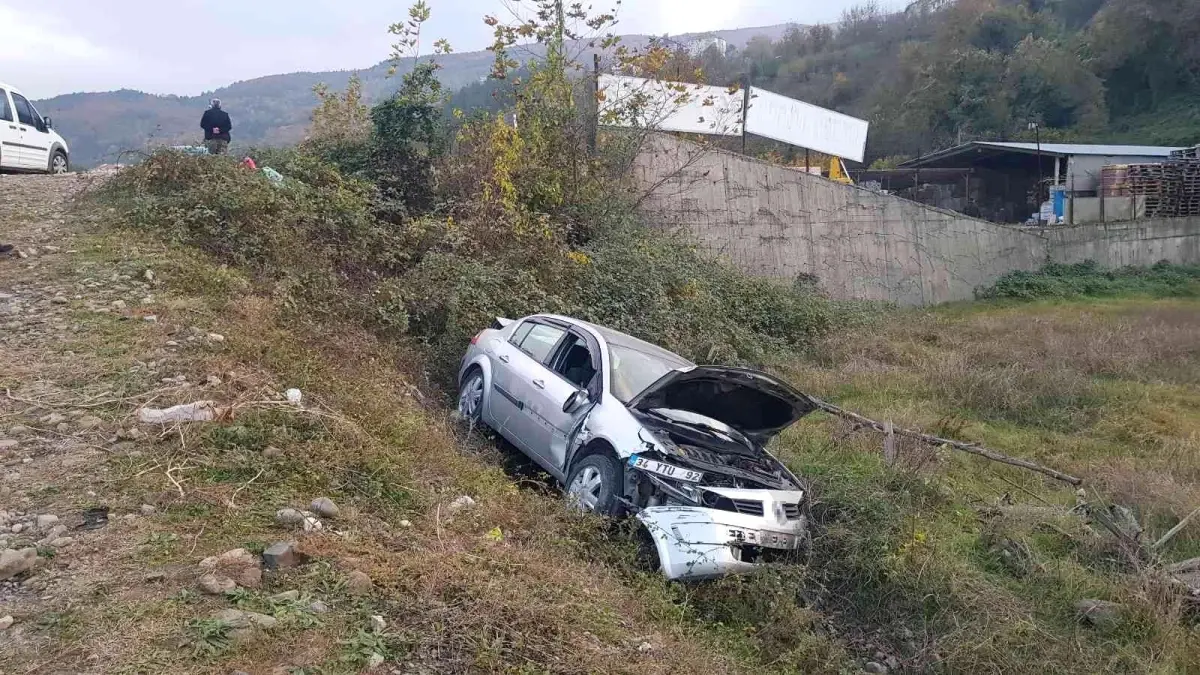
{"points": [[754, 403]]}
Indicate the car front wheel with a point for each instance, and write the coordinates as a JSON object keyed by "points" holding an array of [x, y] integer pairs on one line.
{"points": [[59, 163], [595, 485]]}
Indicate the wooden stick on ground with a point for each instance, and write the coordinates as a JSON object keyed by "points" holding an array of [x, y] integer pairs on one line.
{"points": [[957, 445], [1176, 530]]}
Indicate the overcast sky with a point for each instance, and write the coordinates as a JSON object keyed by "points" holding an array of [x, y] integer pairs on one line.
{"points": [[189, 46]]}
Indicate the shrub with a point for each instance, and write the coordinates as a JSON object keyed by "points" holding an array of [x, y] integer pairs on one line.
{"points": [[1087, 279]]}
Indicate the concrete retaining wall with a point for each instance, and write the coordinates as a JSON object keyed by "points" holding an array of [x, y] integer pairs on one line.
{"points": [[780, 222]]}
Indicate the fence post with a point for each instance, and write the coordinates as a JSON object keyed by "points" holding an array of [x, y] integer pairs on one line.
{"points": [[889, 443], [595, 126], [745, 108]]}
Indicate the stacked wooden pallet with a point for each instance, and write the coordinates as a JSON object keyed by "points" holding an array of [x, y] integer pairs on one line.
{"points": [[1159, 184], [1186, 153], [1189, 186]]}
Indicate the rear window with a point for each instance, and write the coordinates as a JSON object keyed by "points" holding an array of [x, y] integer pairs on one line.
{"points": [[540, 341], [5, 108]]}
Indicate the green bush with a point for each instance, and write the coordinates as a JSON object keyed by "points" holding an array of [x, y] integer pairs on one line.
{"points": [[1087, 279]]}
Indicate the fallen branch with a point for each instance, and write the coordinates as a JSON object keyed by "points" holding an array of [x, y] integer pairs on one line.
{"points": [[1175, 530], [970, 448]]}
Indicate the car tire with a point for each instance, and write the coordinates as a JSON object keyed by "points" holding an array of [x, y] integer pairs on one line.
{"points": [[595, 485], [470, 397], [59, 164]]}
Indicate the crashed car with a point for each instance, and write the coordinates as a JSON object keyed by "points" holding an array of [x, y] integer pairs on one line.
{"points": [[629, 427]]}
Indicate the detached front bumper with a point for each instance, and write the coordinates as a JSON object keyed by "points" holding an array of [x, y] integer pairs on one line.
{"points": [[696, 543]]}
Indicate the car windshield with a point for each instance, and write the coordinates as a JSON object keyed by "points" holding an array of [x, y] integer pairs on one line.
{"points": [[633, 370]]}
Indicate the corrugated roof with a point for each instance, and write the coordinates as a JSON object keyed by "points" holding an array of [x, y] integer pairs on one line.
{"points": [[1082, 149], [1049, 149]]}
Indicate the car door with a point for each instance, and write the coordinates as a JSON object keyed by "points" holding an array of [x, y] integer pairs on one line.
{"points": [[35, 135], [519, 370], [10, 135], [573, 366]]}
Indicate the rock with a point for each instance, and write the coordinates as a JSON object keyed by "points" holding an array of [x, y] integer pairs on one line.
{"points": [[215, 584], [59, 300], [148, 275], [238, 564], [358, 583], [6, 622], [147, 510], [324, 506], [213, 381], [237, 618], [905, 634], [89, 422], [46, 520], [18, 528], [311, 522], [282, 555], [53, 419], [892, 663], [378, 624], [239, 672], [463, 502], [20, 430], [130, 434], [14, 562], [286, 596], [62, 542], [1100, 613], [873, 667], [405, 523], [318, 607], [118, 304], [7, 444], [645, 647], [150, 318], [215, 337], [272, 452], [155, 577], [289, 517], [375, 661]]}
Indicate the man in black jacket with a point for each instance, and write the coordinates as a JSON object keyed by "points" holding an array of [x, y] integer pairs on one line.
{"points": [[216, 125]]}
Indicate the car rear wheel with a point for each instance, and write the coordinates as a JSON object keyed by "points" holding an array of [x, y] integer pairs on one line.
{"points": [[59, 163], [595, 485], [470, 397]]}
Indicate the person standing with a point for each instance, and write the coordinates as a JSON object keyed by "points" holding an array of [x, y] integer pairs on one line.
{"points": [[216, 125]]}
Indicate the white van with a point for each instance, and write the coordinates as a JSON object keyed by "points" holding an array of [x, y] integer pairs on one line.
{"points": [[27, 141]]}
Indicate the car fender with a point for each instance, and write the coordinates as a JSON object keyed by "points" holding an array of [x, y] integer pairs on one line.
{"points": [[690, 543]]}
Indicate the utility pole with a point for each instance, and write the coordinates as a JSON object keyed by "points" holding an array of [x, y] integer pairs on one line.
{"points": [[746, 103], [1037, 130]]}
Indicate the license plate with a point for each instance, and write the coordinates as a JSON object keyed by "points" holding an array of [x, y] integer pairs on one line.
{"points": [[766, 539], [664, 469]]}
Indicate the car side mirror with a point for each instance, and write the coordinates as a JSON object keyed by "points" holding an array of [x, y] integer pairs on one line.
{"points": [[576, 401], [48, 122]]}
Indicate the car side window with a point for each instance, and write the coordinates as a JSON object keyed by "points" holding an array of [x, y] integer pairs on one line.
{"points": [[574, 361], [24, 110], [5, 109], [520, 333], [540, 341]]}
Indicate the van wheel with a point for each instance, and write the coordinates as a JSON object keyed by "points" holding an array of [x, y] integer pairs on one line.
{"points": [[59, 163]]}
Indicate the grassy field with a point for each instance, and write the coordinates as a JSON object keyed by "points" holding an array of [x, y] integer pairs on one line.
{"points": [[942, 562]]}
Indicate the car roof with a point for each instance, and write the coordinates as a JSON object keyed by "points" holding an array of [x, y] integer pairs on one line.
{"points": [[616, 337]]}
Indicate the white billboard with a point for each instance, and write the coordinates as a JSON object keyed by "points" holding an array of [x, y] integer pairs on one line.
{"points": [[805, 125], [670, 106]]}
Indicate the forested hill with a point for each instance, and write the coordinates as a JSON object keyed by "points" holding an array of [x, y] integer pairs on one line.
{"points": [[944, 71], [267, 110]]}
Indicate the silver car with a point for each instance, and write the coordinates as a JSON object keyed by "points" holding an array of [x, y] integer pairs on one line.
{"points": [[629, 427]]}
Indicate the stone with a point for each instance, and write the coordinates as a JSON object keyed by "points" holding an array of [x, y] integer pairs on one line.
{"points": [[155, 577], [6, 622], [14, 562], [62, 542], [405, 523], [53, 419], [17, 528], [272, 452], [463, 502], [216, 584], [324, 506], [378, 624], [892, 663], [645, 647], [289, 517], [46, 521], [148, 275], [1100, 613], [237, 618], [376, 659], [213, 381], [238, 564], [318, 607], [286, 596], [147, 510], [7, 444], [873, 667], [358, 583], [118, 304], [215, 337], [20, 430], [150, 318], [282, 555], [59, 300], [130, 434], [89, 422]]}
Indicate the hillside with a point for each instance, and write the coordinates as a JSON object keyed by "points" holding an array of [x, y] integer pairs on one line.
{"points": [[272, 110]]}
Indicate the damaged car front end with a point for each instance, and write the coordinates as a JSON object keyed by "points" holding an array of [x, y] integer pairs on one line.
{"points": [[711, 497]]}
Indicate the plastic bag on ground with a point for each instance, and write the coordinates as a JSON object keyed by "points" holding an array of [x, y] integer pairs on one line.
{"points": [[200, 411]]}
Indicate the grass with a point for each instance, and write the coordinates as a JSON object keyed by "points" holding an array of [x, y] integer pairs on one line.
{"points": [[972, 555]]}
